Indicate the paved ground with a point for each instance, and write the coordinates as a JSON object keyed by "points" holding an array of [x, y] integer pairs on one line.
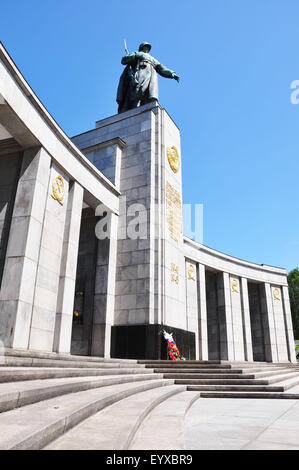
{"points": [[219, 423]]}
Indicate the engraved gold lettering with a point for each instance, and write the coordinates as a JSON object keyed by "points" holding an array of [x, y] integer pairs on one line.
{"points": [[174, 273], [173, 211]]}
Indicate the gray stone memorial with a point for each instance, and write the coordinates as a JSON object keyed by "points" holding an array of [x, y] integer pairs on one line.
{"points": [[66, 289]]}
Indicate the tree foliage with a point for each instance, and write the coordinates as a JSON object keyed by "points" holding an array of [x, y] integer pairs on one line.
{"points": [[293, 280]]}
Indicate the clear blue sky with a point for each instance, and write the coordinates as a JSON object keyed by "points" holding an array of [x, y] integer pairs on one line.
{"points": [[240, 132]]}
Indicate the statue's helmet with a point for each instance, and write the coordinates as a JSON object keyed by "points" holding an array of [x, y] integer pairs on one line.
{"points": [[143, 45]]}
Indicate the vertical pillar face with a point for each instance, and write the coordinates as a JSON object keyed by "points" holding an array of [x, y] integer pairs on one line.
{"points": [[288, 325], [100, 297], [202, 317], [173, 249], [68, 268], [104, 299], [235, 288], [49, 262], [192, 302], [248, 351], [225, 317], [268, 323], [19, 275], [280, 323]]}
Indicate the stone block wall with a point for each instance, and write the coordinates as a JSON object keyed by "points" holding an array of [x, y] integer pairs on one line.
{"points": [[134, 283]]}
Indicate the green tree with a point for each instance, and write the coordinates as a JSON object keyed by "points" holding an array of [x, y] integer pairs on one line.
{"points": [[293, 280]]}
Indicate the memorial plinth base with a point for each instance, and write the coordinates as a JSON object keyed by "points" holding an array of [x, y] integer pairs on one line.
{"points": [[147, 342]]}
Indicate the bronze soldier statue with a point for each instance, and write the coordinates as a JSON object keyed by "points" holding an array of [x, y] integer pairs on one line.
{"points": [[138, 83]]}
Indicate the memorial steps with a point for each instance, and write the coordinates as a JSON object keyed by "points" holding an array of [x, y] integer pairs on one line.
{"points": [[50, 400], [152, 419], [34, 426], [43, 395], [236, 379]]}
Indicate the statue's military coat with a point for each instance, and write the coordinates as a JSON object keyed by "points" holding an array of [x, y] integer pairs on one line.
{"points": [[138, 83]]}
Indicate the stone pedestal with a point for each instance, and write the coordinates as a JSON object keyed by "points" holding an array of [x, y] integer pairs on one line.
{"points": [[150, 276], [147, 342]]}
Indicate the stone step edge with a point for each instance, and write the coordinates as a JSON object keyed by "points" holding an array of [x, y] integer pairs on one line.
{"points": [[25, 353], [188, 404], [286, 385], [218, 367], [291, 383], [11, 361], [10, 401], [223, 363], [60, 372], [288, 381], [259, 380], [259, 364], [234, 388], [185, 365], [39, 439], [168, 361], [186, 370], [147, 410], [269, 395], [220, 372]]}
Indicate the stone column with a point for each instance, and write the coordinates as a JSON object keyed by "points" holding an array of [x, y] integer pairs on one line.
{"points": [[49, 262], [225, 318], [246, 321], [192, 302], [104, 297], [268, 324], [288, 325], [19, 275], [235, 294], [68, 268], [202, 315], [110, 304], [280, 324]]}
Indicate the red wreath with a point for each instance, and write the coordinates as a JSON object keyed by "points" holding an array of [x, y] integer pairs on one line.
{"points": [[173, 352]]}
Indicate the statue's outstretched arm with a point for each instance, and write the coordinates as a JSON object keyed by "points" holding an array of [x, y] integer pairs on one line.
{"points": [[166, 72]]}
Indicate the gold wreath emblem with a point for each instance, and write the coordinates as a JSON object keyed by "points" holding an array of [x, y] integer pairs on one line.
{"points": [[58, 189], [191, 272], [235, 285], [276, 294], [173, 158]]}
